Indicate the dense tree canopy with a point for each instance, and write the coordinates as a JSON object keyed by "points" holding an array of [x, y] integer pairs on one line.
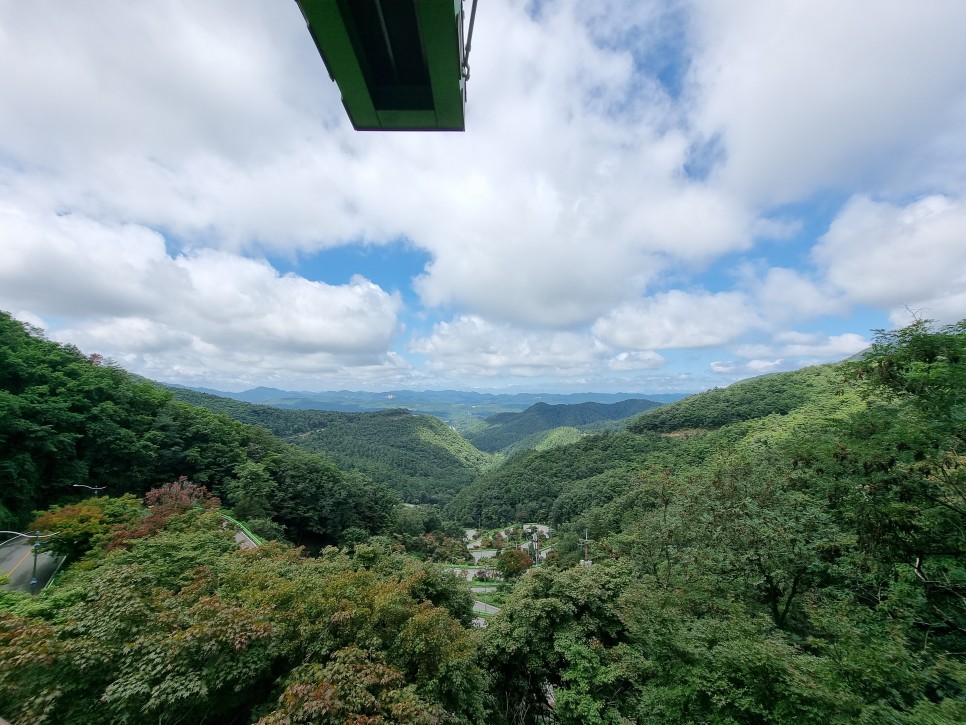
{"points": [[788, 550], [418, 456], [508, 431], [182, 626], [803, 563], [68, 419]]}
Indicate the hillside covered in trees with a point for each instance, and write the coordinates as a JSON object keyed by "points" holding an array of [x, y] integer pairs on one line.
{"points": [[68, 419], [418, 456], [788, 550], [508, 431], [461, 409]]}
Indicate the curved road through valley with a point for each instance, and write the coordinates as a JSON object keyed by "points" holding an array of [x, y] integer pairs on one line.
{"points": [[17, 562]]}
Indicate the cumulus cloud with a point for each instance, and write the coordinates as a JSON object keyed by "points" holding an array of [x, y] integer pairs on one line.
{"points": [[786, 295], [890, 255], [723, 367], [471, 345], [678, 319], [813, 344], [798, 348], [637, 360], [566, 199], [67, 265], [810, 95], [131, 300], [616, 152], [737, 370]]}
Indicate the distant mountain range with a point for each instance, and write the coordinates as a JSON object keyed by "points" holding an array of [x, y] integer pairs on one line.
{"points": [[506, 431], [460, 409]]}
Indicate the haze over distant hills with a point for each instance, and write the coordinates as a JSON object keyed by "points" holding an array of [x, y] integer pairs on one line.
{"points": [[461, 409]]}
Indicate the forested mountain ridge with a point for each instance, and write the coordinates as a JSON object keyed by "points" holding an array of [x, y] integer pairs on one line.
{"points": [[418, 456], [68, 419], [794, 553], [505, 430], [461, 409], [802, 563], [777, 393], [554, 485]]}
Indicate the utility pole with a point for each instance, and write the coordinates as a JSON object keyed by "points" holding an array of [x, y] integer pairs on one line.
{"points": [[585, 541], [33, 576]]}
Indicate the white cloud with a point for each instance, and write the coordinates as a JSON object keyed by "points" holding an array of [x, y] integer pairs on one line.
{"points": [[738, 370], [472, 346], [67, 265], [724, 367], [130, 300], [785, 295], [614, 151], [814, 94], [565, 198], [678, 319], [760, 367], [817, 345], [804, 347], [887, 255], [637, 360]]}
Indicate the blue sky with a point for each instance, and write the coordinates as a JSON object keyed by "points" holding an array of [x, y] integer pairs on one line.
{"points": [[651, 196]]}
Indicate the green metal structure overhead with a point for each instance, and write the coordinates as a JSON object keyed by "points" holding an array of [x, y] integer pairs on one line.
{"points": [[398, 63]]}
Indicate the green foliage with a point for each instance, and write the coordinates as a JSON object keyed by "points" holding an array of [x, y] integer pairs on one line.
{"points": [[790, 549], [353, 686], [529, 484], [756, 398], [511, 562], [418, 456], [559, 630], [182, 626], [82, 526], [67, 419], [505, 431], [420, 531]]}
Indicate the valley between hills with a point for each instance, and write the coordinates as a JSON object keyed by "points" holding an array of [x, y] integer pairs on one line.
{"points": [[787, 549]]}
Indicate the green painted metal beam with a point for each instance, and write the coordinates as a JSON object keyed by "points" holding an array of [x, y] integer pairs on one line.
{"points": [[443, 42], [370, 103]]}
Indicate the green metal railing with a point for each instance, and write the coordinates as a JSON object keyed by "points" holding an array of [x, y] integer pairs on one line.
{"points": [[244, 529]]}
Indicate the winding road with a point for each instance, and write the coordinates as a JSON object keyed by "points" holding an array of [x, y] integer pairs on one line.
{"points": [[17, 562]]}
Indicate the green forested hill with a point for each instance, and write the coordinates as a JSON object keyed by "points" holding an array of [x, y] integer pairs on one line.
{"points": [[418, 456], [505, 430], [778, 393], [801, 561], [69, 419], [792, 550], [545, 485], [462, 409], [556, 484]]}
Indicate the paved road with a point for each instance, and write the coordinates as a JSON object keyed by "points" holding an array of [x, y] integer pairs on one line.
{"points": [[485, 608], [244, 540], [17, 561], [483, 554]]}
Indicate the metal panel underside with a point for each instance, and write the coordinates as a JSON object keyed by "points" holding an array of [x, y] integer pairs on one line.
{"points": [[397, 62]]}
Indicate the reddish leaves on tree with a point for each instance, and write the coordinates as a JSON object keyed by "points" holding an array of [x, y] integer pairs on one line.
{"points": [[178, 496], [171, 499]]}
